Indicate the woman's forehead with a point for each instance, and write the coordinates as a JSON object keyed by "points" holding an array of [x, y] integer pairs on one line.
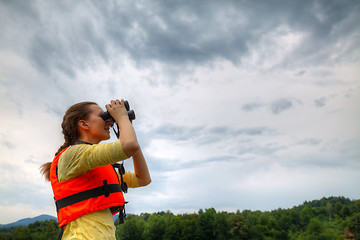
{"points": [[96, 108]]}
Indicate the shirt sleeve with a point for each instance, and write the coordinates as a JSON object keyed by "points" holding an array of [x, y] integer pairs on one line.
{"points": [[130, 179], [79, 159]]}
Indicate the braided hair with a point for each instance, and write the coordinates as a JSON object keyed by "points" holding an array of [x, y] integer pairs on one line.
{"points": [[73, 115]]}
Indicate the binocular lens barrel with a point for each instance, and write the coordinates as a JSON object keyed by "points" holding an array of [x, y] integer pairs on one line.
{"points": [[106, 115]]}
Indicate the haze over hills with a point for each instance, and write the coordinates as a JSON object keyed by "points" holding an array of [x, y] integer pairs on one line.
{"points": [[27, 221], [43, 217]]}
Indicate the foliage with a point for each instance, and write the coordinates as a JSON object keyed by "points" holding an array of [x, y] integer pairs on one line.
{"points": [[324, 219], [39, 230], [354, 225]]}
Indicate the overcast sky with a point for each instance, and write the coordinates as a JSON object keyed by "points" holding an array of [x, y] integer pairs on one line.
{"points": [[239, 104]]}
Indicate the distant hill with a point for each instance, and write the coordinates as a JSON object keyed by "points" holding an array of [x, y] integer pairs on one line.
{"points": [[27, 221]]}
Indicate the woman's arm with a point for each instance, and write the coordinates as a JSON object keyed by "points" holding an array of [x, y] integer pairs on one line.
{"points": [[127, 137], [129, 141], [141, 168]]}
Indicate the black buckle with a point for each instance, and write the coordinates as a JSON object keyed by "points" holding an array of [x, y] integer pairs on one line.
{"points": [[121, 171], [122, 214], [106, 189]]}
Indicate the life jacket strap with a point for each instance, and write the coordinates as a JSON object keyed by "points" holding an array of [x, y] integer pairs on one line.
{"points": [[121, 210], [105, 190]]}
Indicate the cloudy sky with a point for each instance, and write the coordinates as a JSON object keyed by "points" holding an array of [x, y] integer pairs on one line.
{"points": [[239, 104]]}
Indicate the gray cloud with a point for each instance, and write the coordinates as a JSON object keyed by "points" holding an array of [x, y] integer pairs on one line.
{"points": [[256, 131], [5, 142], [177, 132], [159, 167], [249, 107], [181, 133], [320, 102], [169, 32], [177, 33], [300, 73], [260, 150], [281, 105], [310, 141]]}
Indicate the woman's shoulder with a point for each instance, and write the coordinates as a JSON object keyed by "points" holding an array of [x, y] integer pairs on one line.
{"points": [[75, 150], [70, 161]]}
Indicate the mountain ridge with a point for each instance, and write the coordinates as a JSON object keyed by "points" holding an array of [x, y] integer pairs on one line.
{"points": [[27, 221]]}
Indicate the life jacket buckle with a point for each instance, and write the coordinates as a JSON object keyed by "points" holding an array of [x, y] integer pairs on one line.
{"points": [[106, 189]]}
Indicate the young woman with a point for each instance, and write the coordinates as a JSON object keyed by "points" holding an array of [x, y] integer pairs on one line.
{"points": [[86, 188]]}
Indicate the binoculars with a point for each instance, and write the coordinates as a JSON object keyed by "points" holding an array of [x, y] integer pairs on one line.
{"points": [[106, 115]]}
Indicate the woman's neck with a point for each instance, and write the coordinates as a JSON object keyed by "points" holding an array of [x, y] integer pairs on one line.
{"points": [[87, 140]]}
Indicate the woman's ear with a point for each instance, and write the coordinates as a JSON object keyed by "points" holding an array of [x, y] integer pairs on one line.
{"points": [[83, 125]]}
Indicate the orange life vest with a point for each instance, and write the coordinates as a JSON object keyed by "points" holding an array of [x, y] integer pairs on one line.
{"points": [[95, 190]]}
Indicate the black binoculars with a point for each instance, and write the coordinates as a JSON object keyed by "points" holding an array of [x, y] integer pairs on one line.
{"points": [[106, 115]]}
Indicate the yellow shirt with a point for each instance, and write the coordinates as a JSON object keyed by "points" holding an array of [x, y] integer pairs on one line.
{"points": [[79, 159]]}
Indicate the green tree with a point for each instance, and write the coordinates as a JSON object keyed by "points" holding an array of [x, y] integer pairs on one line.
{"points": [[263, 219], [345, 211], [354, 226], [329, 210], [305, 215], [183, 227], [21, 233], [257, 232], [295, 219], [337, 208], [279, 234], [154, 228], [357, 205], [44, 230], [131, 229], [238, 228], [221, 226], [207, 224], [173, 231], [5, 236], [314, 228], [285, 221]]}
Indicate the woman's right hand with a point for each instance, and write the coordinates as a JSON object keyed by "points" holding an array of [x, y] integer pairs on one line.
{"points": [[117, 110]]}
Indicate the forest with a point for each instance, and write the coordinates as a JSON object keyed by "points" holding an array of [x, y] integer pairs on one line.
{"points": [[333, 218]]}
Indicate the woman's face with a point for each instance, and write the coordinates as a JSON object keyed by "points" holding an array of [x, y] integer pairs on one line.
{"points": [[99, 130]]}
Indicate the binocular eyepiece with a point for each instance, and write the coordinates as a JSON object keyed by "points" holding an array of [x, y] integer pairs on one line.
{"points": [[106, 115]]}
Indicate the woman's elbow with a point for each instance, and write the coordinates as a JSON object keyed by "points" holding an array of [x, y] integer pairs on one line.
{"points": [[144, 182], [131, 148]]}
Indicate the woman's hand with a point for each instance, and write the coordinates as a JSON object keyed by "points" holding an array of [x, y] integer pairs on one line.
{"points": [[117, 110]]}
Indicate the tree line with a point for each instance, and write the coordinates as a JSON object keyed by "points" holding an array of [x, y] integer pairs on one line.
{"points": [[333, 218]]}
